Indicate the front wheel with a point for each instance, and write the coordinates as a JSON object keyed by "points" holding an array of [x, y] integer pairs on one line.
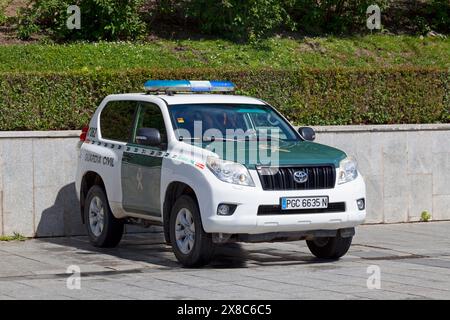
{"points": [[329, 247], [192, 246], [103, 229]]}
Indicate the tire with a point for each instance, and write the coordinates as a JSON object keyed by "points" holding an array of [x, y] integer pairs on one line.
{"points": [[108, 233], [330, 248], [192, 246]]}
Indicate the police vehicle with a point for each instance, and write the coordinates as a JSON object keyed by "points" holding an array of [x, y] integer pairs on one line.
{"points": [[212, 167]]}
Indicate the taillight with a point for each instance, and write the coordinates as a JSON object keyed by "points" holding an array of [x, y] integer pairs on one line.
{"points": [[83, 134]]}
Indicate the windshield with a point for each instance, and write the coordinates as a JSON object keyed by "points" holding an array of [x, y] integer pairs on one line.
{"points": [[210, 122]]}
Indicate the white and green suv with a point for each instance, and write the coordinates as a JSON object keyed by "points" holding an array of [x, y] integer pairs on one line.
{"points": [[213, 167]]}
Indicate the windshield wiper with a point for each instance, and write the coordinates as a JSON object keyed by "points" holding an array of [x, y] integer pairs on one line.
{"points": [[212, 139], [208, 139], [181, 138]]}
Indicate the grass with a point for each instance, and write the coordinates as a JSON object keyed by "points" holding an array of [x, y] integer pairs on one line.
{"points": [[371, 51], [15, 237]]}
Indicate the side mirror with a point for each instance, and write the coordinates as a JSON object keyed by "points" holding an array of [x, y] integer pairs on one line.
{"points": [[148, 137], [307, 133]]}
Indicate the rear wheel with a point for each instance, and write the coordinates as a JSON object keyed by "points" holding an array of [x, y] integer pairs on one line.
{"points": [[329, 247], [192, 246], [103, 229]]}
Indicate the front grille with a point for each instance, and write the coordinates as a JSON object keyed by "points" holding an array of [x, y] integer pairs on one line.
{"points": [[282, 178], [266, 210]]}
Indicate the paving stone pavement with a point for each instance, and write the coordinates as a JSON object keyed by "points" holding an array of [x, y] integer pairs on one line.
{"points": [[413, 260]]}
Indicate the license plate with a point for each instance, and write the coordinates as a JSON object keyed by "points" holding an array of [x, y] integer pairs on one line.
{"points": [[291, 203]]}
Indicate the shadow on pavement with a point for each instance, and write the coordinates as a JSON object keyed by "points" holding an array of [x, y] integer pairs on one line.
{"points": [[144, 247], [150, 250]]}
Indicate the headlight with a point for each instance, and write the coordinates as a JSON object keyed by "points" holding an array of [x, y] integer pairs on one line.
{"points": [[229, 171], [347, 170]]}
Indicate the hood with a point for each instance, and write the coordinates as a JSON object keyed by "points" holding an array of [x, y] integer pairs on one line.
{"points": [[266, 153]]}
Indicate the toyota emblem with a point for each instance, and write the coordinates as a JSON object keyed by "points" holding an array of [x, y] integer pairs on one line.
{"points": [[300, 176]]}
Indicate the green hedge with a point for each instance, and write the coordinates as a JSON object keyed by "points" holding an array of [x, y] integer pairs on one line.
{"points": [[52, 101]]}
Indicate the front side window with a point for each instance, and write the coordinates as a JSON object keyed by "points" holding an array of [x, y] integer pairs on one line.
{"points": [[116, 120], [150, 116]]}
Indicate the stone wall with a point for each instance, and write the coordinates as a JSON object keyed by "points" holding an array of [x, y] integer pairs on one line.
{"points": [[406, 168]]}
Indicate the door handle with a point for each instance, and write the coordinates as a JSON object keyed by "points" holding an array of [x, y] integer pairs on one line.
{"points": [[126, 157]]}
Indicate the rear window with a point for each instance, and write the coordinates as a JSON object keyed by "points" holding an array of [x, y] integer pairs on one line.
{"points": [[116, 120]]}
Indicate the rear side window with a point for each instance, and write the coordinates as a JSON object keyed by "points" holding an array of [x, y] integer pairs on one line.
{"points": [[116, 120]]}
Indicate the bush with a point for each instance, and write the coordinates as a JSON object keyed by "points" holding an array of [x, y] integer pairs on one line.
{"points": [[3, 5], [53, 101], [333, 16], [235, 19], [418, 17], [255, 19], [100, 19], [439, 13], [248, 20]]}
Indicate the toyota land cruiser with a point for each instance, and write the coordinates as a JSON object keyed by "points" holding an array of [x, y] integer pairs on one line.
{"points": [[212, 167]]}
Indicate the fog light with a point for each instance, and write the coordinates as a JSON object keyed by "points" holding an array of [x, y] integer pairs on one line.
{"points": [[225, 209], [361, 204]]}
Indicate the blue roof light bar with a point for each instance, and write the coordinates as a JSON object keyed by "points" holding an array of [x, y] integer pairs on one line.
{"points": [[188, 86]]}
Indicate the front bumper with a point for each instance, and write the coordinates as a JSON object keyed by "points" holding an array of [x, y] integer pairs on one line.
{"points": [[282, 236], [245, 219]]}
